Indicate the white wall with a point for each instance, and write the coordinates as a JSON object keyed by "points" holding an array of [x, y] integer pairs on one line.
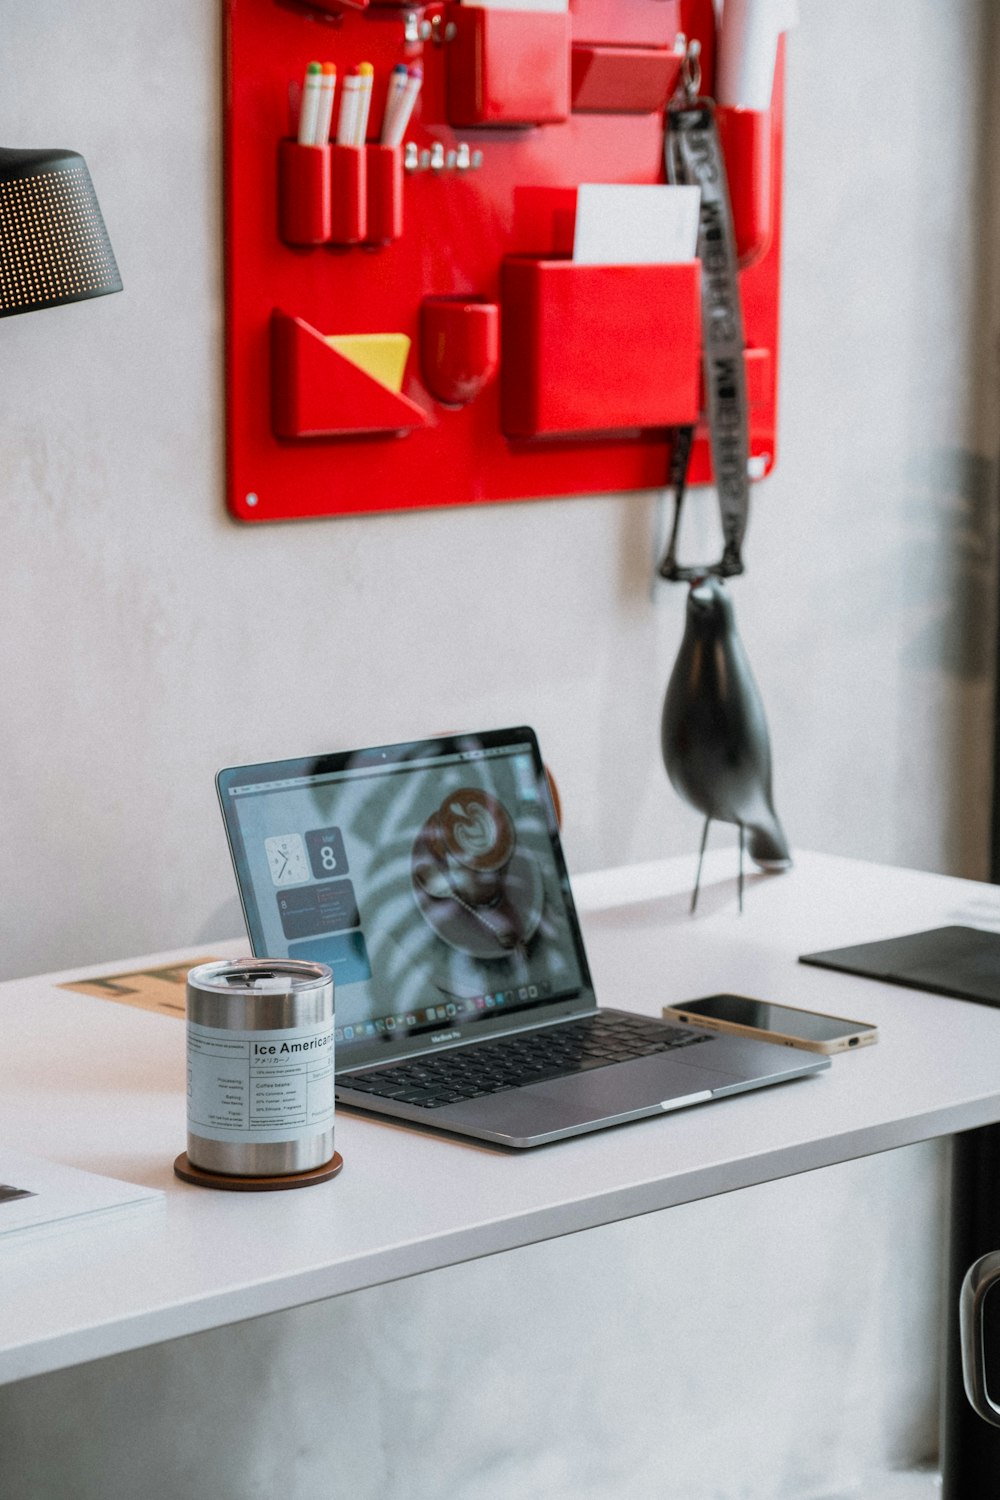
{"points": [[139, 654], [137, 646]]}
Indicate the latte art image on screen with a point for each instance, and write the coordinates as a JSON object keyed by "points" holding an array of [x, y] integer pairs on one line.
{"points": [[478, 891], [472, 837], [476, 829]]}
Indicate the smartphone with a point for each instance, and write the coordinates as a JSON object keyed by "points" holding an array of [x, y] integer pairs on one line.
{"points": [[766, 1022]]}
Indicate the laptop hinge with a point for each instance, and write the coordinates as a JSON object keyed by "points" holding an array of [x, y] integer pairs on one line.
{"points": [[515, 1029]]}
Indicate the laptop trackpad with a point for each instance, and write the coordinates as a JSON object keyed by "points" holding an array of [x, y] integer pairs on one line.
{"points": [[640, 1086], [647, 1080]]}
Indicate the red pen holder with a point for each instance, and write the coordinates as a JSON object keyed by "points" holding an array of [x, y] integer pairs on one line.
{"points": [[746, 138], [459, 347], [384, 171], [508, 67], [598, 348], [303, 194], [348, 194]]}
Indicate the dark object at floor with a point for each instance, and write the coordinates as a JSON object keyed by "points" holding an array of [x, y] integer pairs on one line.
{"points": [[970, 1449]]}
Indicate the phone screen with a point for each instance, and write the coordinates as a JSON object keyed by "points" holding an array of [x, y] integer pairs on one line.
{"points": [[740, 1010]]}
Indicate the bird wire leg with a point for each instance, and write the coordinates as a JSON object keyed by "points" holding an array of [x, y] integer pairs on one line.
{"points": [[701, 856], [740, 881]]}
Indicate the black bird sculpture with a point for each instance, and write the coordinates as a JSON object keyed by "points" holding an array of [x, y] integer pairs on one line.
{"points": [[716, 747]]}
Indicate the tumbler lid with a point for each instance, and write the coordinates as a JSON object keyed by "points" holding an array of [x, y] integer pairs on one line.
{"points": [[259, 976]]}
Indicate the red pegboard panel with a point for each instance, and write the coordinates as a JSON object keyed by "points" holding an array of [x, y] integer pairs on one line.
{"points": [[308, 433]]}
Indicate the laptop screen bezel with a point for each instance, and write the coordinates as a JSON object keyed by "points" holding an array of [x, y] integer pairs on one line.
{"points": [[366, 1052]]}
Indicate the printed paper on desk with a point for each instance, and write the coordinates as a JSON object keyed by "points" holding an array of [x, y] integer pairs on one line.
{"points": [[627, 224], [163, 989], [39, 1195]]}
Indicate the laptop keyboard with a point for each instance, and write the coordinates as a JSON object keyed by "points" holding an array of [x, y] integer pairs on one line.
{"points": [[513, 1061]]}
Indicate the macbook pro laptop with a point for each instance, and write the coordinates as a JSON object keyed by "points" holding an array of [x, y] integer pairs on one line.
{"points": [[430, 877]]}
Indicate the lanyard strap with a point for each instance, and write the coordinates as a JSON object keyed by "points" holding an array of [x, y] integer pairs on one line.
{"points": [[693, 156]]}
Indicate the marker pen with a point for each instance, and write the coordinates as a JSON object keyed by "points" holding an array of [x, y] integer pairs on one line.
{"points": [[328, 84], [347, 117], [397, 84], [401, 118], [366, 75], [309, 109]]}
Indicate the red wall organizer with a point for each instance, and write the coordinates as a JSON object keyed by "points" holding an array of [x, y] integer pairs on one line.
{"points": [[526, 375]]}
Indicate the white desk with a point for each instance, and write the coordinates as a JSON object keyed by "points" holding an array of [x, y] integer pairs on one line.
{"points": [[101, 1086]]}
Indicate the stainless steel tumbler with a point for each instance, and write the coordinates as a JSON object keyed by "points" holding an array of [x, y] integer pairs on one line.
{"points": [[260, 1066]]}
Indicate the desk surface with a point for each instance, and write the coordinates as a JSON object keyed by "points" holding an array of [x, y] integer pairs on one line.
{"points": [[101, 1086]]}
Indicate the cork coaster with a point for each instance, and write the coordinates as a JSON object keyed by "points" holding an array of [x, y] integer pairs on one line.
{"points": [[228, 1184]]}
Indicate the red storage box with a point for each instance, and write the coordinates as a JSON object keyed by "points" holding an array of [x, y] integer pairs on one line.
{"points": [[622, 80], [620, 23], [598, 348], [316, 392], [747, 146], [508, 67]]}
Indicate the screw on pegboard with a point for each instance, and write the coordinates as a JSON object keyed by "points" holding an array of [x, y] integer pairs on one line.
{"points": [[437, 159], [436, 30]]}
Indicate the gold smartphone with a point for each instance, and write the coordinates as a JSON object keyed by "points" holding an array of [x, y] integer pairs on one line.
{"points": [[766, 1022]]}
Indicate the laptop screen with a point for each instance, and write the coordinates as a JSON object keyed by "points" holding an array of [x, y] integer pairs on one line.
{"points": [[428, 875]]}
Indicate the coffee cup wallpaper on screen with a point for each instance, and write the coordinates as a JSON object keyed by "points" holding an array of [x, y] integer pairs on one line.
{"points": [[430, 888]]}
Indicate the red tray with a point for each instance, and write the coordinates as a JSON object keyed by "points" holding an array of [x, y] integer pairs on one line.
{"points": [[328, 241]]}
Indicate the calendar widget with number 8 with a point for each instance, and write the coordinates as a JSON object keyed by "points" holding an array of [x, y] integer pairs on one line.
{"points": [[326, 852]]}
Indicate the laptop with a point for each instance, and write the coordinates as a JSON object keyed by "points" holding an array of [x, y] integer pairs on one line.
{"points": [[430, 877]]}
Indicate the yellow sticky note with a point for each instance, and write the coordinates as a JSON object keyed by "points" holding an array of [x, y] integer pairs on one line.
{"points": [[381, 355]]}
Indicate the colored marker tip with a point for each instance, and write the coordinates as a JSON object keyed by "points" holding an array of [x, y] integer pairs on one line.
{"points": [[365, 69], [329, 68], [416, 71], [314, 67]]}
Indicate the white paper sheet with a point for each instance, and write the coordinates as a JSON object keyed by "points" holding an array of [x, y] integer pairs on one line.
{"points": [[748, 46], [39, 1195], [625, 224]]}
